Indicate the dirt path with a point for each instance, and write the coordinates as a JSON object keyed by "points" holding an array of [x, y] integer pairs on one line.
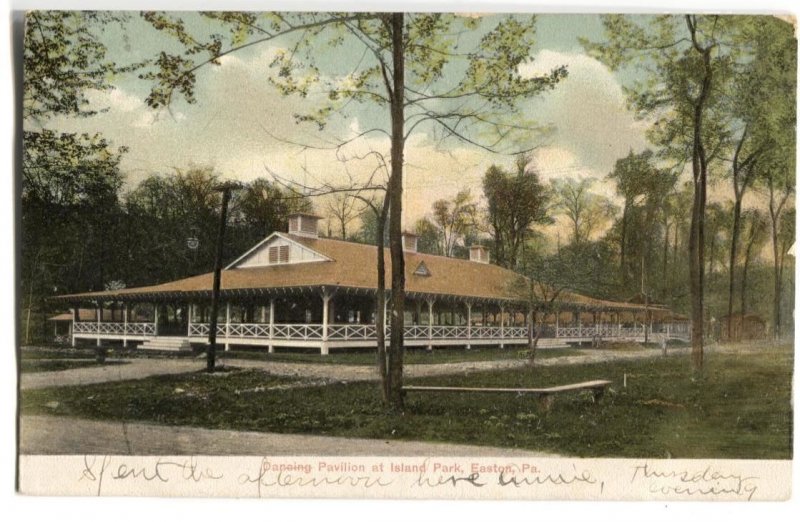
{"points": [[141, 368], [53, 435]]}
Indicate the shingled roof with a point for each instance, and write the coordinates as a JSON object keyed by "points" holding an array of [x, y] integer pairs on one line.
{"points": [[353, 266]]}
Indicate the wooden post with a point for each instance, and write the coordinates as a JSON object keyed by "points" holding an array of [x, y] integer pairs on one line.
{"points": [[125, 325], [99, 320], [323, 350], [558, 313], [75, 319], [430, 324], [271, 348], [502, 326], [189, 314], [217, 284], [227, 326], [469, 324]]}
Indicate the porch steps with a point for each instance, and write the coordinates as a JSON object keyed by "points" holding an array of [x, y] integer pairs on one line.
{"points": [[167, 344], [551, 342]]}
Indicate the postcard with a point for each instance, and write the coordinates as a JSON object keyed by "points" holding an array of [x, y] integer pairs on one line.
{"points": [[407, 255]]}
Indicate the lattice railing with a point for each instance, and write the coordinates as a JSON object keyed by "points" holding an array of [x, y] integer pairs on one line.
{"points": [[351, 331], [415, 332], [87, 327], [297, 332], [515, 332]]}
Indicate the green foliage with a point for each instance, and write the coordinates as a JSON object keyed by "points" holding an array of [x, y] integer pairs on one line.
{"points": [[515, 203], [455, 220], [165, 210], [587, 212], [430, 237], [471, 94], [63, 59]]}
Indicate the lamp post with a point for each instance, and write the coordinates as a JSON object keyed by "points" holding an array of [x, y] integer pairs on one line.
{"points": [[211, 354]]}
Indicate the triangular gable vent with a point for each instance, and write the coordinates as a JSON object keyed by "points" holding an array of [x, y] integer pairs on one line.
{"points": [[277, 250], [422, 270]]}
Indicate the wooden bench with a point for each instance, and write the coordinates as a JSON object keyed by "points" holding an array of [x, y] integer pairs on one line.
{"points": [[545, 395]]}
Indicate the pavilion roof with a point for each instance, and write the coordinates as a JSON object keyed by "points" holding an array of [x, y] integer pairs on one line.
{"points": [[353, 266]]}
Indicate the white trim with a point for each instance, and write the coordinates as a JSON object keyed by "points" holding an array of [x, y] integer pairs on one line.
{"points": [[287, 237]]}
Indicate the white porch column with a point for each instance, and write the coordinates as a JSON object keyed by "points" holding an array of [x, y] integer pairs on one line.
{"points": [[271, 347], [430, 323], [558, 314], [125, 325], [99, 320], [75, 319], [669, 323], [155, 319], [227, 325], [619, 324], [502, 326], [469, 324], [189, 314], [325, 308], [580, 324]]}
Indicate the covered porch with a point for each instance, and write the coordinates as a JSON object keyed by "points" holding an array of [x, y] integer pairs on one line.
{"points": [[329, 318]]}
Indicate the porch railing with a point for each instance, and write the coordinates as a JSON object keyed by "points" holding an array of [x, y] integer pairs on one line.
{"points": [[86, 327], [355, 332], [314, 332]]}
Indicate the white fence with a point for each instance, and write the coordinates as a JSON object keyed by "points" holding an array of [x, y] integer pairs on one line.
{"points": [[348, 332], [366, 332], [121, 329]]}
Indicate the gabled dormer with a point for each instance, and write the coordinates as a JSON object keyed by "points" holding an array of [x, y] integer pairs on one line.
{"points": [[277, 249]]}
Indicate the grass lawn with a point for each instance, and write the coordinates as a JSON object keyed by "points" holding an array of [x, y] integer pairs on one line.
{"points": [[56, 365], [56, 353], [412, 356], [739, 408]]}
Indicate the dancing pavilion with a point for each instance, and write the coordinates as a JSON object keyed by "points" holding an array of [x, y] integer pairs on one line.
{"points": [[297, 290]]}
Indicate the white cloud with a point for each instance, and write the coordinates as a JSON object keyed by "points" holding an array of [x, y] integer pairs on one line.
{"points": [[589, 110]]}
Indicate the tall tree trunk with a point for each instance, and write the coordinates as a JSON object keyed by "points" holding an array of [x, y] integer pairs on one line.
{"points": [[775, 211], [740, 178], [380, 298], [395, 216], [697, 232], [737, 216], [745, 267], [622, 240], [776, 275], [665, 256]]}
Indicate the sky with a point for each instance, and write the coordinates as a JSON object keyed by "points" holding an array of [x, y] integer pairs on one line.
{"points": [[243, 127]]}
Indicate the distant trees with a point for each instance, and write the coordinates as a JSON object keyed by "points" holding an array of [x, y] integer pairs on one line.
{"points": [[455, 219], [70, 182], [342, 209], [516, 201], [754, 233], [586, 211], [429, 240], [164, 210]]}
